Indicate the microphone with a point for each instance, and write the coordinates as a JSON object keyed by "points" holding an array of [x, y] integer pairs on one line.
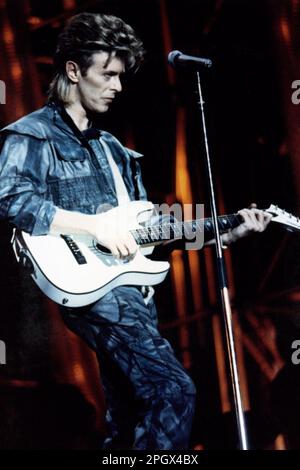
{"points": [[176, 58]]}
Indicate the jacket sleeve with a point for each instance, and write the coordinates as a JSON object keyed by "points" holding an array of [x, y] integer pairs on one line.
{"points": [[24, 163]]}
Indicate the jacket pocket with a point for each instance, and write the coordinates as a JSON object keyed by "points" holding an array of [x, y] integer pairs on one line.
{"points": [[69, 153]]}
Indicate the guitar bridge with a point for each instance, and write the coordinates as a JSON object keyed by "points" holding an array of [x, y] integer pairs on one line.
{"points": [[75, 250]]}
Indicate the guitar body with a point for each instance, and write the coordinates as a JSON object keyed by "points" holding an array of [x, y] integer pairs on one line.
{"points": [[70, 281]]}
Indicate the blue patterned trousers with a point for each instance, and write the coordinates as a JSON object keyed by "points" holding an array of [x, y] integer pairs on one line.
{"points": [[149, 396]]}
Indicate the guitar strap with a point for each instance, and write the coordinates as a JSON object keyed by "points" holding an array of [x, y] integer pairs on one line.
{"points": [[121, 190]]}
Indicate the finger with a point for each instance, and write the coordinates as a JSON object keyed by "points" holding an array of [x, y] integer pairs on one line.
{"points": [[267, 218], [129, 244], [131, 252], [260, 219], [128, 248], [123, 250], [132, 247], [250, 221], [114, 250], [259, 216], [263, 219]]}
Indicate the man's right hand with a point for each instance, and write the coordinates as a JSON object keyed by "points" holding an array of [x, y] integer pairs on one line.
{"points": [[111, 233]]}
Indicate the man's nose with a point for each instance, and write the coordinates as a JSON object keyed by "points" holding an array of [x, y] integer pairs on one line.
{"points": [[116, 84]]}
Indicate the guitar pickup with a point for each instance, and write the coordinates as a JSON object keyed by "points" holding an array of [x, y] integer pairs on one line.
{"points": [[75, 250]]}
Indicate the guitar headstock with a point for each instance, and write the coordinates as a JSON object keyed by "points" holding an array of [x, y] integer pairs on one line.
{"points": [[290, 221]]}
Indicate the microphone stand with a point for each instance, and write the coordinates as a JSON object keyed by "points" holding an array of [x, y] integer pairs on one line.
{"points": [[223, 285]]}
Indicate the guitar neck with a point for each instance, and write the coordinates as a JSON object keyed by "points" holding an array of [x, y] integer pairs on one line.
{"points": [[186, 230]]}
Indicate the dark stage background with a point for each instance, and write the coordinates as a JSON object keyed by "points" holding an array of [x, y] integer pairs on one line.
{"points": [[50, 393]]}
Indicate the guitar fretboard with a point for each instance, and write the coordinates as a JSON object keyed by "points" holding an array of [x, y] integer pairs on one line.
{"points": [[186, 230]]}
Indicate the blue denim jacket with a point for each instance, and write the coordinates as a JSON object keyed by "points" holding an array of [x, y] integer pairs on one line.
{"points": [[44, 165]]}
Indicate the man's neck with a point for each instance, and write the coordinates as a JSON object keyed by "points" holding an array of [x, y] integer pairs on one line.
{"points": [[78, 115]]}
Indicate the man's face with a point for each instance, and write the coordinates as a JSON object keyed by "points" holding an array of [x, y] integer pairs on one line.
{"points": [[98, 88]]}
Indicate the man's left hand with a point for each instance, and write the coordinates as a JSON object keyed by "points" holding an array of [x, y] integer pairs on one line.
{"points": [[255, 220]]}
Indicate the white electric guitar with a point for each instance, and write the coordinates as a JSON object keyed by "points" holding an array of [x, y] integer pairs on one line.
{"points": [[75, 270]]}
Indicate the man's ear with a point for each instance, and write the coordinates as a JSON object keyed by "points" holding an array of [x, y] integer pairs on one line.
{"points": [[73, 71]]}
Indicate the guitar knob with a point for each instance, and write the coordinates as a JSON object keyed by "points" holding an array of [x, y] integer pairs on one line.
{"points": [[26, 262]]}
